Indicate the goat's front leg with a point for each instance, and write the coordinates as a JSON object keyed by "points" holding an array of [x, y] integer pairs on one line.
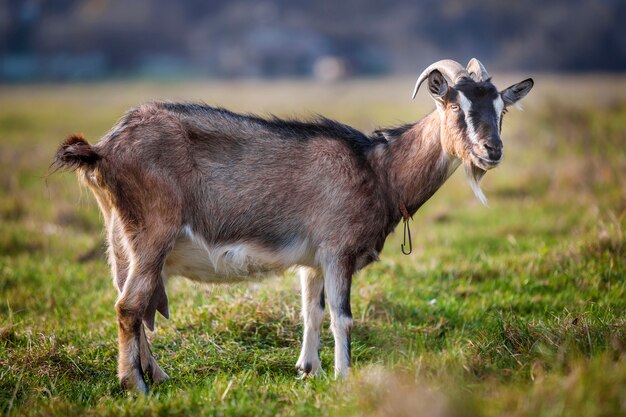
{"points": [[312, 283], [337, 281]]}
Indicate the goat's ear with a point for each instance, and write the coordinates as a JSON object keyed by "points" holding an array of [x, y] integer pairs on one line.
{"points": [[516, 92], [437, 86]]}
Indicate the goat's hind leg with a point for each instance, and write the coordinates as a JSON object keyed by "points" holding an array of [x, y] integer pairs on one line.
{"points": [[149, 365], [312, 283], [158, 302], [146, 258], [119, 260]]}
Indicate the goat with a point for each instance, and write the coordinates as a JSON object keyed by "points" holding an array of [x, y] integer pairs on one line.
{"points": [[201, 192]]}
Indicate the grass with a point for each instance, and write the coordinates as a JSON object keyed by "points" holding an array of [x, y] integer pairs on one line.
{"points": [[517, 309]]}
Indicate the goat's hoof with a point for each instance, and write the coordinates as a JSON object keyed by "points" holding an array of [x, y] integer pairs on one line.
{"points": [[133, 383], [308, 369]]}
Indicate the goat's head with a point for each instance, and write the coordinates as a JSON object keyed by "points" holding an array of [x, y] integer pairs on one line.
{"points": [[471, 110]]}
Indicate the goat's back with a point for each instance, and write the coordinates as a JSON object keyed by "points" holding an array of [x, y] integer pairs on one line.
{"points": [[234, 178]]}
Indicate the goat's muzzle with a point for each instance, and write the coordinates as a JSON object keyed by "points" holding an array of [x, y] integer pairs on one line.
{"points": [[488, 153]]}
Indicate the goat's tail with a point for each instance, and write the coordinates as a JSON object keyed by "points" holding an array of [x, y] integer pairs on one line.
{"points": [[75, 153]]}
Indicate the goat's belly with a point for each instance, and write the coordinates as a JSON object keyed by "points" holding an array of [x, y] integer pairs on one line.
{"points": [[193, 259]]}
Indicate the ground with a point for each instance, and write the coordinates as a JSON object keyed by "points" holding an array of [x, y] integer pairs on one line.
{"points": [[517, 309]]}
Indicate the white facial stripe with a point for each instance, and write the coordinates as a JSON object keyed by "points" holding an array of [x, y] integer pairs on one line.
{"points": [[466, 106], [498, 105]]}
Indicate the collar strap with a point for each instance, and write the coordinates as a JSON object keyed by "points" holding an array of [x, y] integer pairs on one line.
{"points": [[405, 213], [407, 231]]}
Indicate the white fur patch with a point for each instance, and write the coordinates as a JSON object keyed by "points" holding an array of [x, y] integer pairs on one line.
{"points": [[340, 327], [312, 316], [193, 258], [466, 106], [498, 105]]}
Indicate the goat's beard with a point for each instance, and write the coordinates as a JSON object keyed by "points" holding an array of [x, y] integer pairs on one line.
{"points": [[474, 177]]}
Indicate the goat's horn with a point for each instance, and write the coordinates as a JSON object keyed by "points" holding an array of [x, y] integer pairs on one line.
{"points": [[477, 70], [450, 69]]}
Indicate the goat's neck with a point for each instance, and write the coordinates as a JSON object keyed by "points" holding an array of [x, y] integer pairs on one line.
{"points": [[416, 164]]}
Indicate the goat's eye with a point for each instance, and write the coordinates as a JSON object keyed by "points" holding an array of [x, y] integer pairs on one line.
{"points": [[455, 107]]}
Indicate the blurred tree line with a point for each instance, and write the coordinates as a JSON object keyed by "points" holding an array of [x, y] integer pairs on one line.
{"points": [[79, 39]]}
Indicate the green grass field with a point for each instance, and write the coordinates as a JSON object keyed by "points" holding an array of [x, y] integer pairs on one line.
{"points": [[517, 309]]}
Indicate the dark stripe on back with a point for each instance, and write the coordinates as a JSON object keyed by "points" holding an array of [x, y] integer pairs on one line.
{"points": [[285, 128]]}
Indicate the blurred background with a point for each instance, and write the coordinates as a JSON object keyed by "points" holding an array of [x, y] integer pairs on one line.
{"points": [[68, 40]]}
